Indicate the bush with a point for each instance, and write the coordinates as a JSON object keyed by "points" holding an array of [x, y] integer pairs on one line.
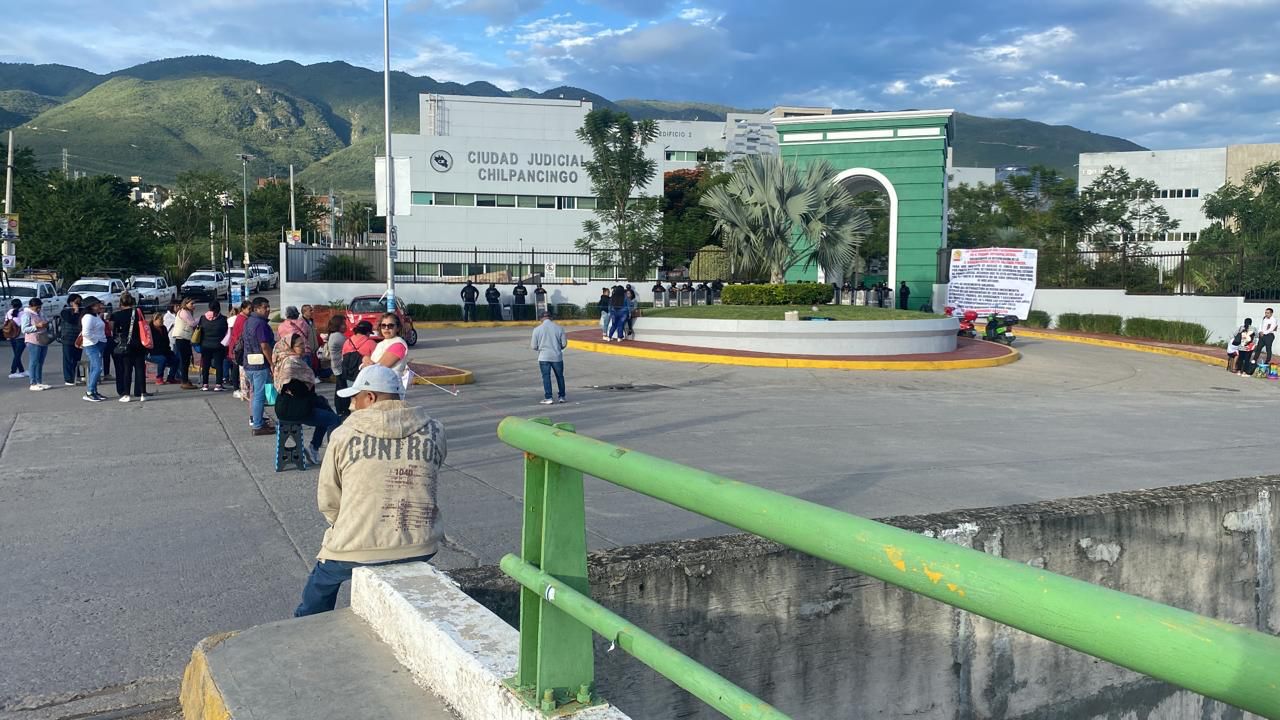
{"points": [[344, 268], [1069, 321], [430, 313], [568, 311], [1102, 324], [417, 311], [793, 294], [1037, 319], [1174, 331]]}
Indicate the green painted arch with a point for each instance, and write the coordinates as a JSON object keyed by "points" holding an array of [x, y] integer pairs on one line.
{"points": [[908, 156]]}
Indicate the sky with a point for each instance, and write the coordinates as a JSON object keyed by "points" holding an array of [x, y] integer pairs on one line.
{"points": [[1163, 73]]}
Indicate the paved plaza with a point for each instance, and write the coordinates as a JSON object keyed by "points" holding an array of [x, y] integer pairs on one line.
{"points": [[129, 532]]}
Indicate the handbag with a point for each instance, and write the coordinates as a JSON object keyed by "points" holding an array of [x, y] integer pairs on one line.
{"points": [[196, 336], [80, 341], [144, 331], [122, 348], [271, 393]]}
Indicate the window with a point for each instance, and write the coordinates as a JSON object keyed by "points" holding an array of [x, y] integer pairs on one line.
{"points": [[1164, 194], [566, 203], [451, 269], [486, 201], [526, 201], [464, 199], [1179, 191], [506, 201], [546, 202], [586, 203], [422, 198], [1195, 192], [444, 199], [1189, 237]]}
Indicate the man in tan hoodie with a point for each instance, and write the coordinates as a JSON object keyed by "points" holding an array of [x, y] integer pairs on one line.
{"points": [[377, 487]]}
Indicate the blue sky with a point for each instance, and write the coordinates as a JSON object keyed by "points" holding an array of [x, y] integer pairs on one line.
{"points": [[1164, 73]]}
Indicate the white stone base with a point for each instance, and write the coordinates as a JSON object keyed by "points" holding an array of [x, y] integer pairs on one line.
{"points": [[453, 646], [837, 337]]}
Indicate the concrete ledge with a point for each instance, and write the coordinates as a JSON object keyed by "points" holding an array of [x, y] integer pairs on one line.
{"points": [[840, 337], [452, 645], [201, 698]]}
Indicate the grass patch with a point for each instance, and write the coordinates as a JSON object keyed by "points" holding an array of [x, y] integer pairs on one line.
{"points": [[775, 312]]}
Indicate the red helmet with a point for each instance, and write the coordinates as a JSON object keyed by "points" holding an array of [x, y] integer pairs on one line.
{"points": [[970, 315]]}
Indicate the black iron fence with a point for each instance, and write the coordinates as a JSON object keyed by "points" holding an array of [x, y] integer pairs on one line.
{"points": [[1253, 277], [415, 265]]}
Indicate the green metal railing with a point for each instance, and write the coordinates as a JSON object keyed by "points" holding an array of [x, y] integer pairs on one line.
{"points": [[1226, 662]]}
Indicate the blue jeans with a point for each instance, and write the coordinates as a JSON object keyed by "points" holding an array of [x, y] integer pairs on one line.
{"points": [[94, 353], [617, 322], [19, 344], [165, 360], [321, 591], [70, 361], [258, 380], [547, 367], [323, 420], [35, 360]]}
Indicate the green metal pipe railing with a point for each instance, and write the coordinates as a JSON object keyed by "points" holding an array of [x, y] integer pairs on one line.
{"points": [[1226, 662], [680, 668]]}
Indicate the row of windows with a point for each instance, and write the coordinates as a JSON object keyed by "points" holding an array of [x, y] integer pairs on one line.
{"points": [[576, 272], [1167, 194], [1153, 237], [686, 156], [544, 202]]}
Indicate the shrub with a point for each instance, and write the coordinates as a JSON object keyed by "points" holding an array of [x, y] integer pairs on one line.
{"points": [[344, 268], [435, 312], [1174, 331], [568, 311], [1037, 319], [793, 294], [1069, 321], [417, 311], [1102, 324], [711, 263]]}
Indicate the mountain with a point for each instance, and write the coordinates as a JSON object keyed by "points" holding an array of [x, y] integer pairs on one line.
{"points": [[162, 117]]}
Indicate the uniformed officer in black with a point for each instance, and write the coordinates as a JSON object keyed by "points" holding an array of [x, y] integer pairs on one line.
{"points": [[519, 292], [493, 296], [469, 295]]}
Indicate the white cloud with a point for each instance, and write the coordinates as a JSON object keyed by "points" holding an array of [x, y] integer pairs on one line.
{"points": [[1026, 47], [503, 11], [1054, 79], [897, 87], [940, 81], [1007, 106], [1267, 79], [1214, 80], [1200, 7], [699, 16]]}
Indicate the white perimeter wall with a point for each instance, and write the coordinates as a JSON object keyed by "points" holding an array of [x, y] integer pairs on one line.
{"points": [[439, 293], [1219, 315]]}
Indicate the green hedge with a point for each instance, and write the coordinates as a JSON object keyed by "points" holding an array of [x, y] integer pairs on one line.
{"points": [[792, 294], [1069, 321], [1037, 319], [1174, 331], [417, 311], [429, 313], [1101, 324]]}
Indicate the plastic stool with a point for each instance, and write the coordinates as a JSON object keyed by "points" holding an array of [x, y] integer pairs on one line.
{"points": [[286, 453]]}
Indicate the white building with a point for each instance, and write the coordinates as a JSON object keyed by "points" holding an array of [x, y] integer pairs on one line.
{"points": [[1185, 178], [971, 176], [507, 174]]}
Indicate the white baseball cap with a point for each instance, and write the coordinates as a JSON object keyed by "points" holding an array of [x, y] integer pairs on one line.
{"points": [[375, 378]]}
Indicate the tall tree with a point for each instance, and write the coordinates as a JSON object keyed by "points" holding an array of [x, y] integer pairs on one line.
{"points": [[772, 216], [78, 225], [1119, 210], [626, 221]]}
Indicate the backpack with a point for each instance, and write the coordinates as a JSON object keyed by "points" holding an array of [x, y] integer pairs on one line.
{"points": [[10, 329], [295, 402]]}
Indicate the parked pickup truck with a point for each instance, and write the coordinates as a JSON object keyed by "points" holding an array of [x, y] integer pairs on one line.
{"points": [[268, 277], [51, 302], [206, 285], [104, 288], [152, 290], [250, 282]]}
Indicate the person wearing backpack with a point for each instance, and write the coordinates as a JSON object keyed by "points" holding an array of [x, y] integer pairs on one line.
{"points": [[130, 351], [13, 333], [354, 351], [37, 336]]}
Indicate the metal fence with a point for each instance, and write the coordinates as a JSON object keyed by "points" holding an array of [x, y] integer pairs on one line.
{"points": [[415, 265], [1231, 273]]}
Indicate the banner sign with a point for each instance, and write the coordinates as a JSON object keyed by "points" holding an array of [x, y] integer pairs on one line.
{"points": [[992, 280], [295, 236], [9, 226]]}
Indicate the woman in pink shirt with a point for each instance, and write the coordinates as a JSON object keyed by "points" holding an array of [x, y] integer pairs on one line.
{"points": [[392, 351]]}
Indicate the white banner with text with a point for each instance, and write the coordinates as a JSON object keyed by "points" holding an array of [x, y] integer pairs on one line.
{"points": [[992, 280]]}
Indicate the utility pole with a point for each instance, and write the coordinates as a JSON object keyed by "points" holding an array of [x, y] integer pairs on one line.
{"points": [[244, 172], [213, 263], [8, 248], [333, 219], [293, 212], [391, 173]]}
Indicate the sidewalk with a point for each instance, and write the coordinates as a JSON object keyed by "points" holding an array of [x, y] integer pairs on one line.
{"points": [[1207, 354]]}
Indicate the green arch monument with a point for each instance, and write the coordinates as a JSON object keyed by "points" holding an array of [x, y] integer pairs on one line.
{"points": [[906, 155]]}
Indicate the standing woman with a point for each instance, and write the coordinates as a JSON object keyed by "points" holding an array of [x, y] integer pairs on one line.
{"points": [[632, 304], [213, 328], [130, 353], [392, 351], [235, 327], [161, 352], [36, 334], [67, 332], [617, 313], [94, 333], [17, 342], [336, 338], [183, 325]]}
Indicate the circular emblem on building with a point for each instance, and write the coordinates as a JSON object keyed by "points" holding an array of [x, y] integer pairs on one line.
{"points": [[442, 161]]}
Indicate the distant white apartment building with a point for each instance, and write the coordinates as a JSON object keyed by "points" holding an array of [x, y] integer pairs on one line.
{"points": [[971, 176], [1185, 178]]}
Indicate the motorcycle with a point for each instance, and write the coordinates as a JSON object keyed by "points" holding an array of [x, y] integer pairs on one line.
{"points": [[966, 322], [1000, 328]]}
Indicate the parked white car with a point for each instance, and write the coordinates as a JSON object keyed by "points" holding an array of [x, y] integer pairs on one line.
{"points": [[251, 282], [105, 289], [206, 285], [51, 302], [152, 290], [269, 277]]}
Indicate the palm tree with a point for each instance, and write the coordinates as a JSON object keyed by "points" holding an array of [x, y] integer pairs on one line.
{"points": [[773, 217]]}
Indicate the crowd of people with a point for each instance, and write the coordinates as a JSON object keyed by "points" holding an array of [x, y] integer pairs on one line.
{"points": [[1249, 342], [618, 306]]}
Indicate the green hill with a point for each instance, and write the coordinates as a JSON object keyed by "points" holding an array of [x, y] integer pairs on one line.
{"points": [[160, 118]]}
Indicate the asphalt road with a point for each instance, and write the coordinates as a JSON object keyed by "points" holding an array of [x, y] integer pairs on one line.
{"points": [[128, 532]]}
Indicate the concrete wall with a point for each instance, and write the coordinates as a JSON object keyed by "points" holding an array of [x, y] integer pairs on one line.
{"points": [[871, 337], [822, 642], [432, 293]]}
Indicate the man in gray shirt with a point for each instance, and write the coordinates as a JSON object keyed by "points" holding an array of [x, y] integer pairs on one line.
{"points": [[550, 342]]}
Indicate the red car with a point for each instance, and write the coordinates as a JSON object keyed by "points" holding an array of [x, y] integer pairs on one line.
{"points": [[371, 307]]}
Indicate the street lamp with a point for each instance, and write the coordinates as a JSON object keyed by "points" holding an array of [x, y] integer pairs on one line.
{"points": [[368, 223], [244, 172]]}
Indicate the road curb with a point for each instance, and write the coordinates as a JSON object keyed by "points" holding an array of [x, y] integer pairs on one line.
{"points": [[1122, 345], [1010, 356], [200, 696], [442, 324], [457, 377]]}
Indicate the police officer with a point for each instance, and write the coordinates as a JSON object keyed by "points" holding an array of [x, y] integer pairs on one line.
{"points": [[469, 295], [519, 293], [493, 296], [717, 287]]}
